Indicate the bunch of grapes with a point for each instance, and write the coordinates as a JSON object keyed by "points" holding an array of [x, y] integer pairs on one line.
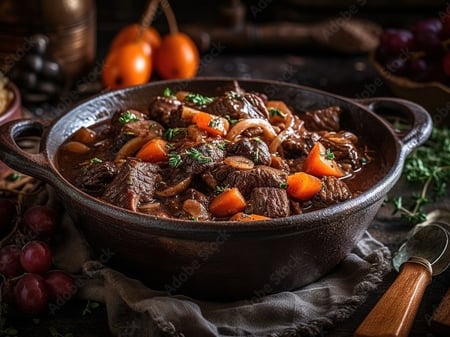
{"points": [[421, 53], [28, 281], [39, 77]]}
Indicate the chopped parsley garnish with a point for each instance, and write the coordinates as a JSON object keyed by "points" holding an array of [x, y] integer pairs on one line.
{"points": [[329, 154], [256, 156], [198, 99], [215, 123], [283, 185], [220, 189], [168, 93], [198, 156], [171, 133], [174, 159], [128, 117], [95, 160], [12, 177], [222, 145], [230, 120], [234, 95], [170, 146], [276, 112]]}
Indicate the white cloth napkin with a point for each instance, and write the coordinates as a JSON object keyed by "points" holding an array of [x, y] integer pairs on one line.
{"points": [[135, 310]]}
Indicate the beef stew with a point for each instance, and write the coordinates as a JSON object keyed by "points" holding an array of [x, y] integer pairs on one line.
{"points": [[235, 156]]}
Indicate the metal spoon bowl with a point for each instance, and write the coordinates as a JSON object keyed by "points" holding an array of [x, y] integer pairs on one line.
{"points": [[426, 253], [432, 243]]}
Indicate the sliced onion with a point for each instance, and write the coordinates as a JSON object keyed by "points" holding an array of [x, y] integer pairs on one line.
{"points": [[130, 148], [188, 113], [239, 162], [84, 135], [281, 137], [245, 124], [196, 209], [176, 189], [76, 147]]}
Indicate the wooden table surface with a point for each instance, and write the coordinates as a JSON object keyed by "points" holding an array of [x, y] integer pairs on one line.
{"points": [[350, 76]]}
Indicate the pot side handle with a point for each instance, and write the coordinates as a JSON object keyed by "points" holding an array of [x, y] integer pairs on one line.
{"points": [[421, 123], [32, 164]]}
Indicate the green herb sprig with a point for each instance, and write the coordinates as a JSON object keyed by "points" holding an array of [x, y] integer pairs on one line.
{"points": [[429, 167], [198, 99], [128, 117], [198, 156]]}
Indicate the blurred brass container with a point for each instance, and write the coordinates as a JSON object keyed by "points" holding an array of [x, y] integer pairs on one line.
{"points": [[69, 24]]}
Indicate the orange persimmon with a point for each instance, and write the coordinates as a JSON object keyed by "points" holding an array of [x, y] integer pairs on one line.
{"points": [[154, 151], [320, 162], [241, 216], [126, 65], [134, 32], [227, 203], [214, 125], [177, 57], [303, 186]]}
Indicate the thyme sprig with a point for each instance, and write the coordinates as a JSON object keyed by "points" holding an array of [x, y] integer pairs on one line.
{"points": [[429, 167], [198, 99], [198, 156]]}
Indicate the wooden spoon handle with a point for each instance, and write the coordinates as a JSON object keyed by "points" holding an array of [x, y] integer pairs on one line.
{"points": [[394, 313]]}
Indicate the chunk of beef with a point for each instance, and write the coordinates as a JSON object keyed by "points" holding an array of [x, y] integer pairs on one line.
{"points": [[343, 146], [144, 129], [199, 157], [239, 106], [194, 194], [95, 177], [333, 191], [135, 183], [120, 118], [299, 142], [260, 176], [174, 182], [162, 108], [327, 119], [253, 149], [269, 201]]}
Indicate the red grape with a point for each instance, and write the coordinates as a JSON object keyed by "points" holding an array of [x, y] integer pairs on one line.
{"points": [[7, 288], [10, 261], [418, 70], [7, 214], [446, 63], [397, 66], [31, 295], [40, 219], [446, 24], [395, 42], [60, 285], [427, 35], [36, 257]]}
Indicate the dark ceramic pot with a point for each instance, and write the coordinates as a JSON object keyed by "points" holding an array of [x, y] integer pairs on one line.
{"points": [[223, 260]]}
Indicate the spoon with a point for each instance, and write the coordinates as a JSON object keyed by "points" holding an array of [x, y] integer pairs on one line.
{"points": [[425, 254]]}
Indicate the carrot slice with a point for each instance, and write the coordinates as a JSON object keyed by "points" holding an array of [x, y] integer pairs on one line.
{"points": [[241, 216], [214, 125], [278, 111], [155, 150], [303, 186], [227, 203], [320, 162]]}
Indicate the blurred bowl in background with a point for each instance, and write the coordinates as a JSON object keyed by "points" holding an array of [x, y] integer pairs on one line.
{"points": [[433, 96], [13, 111]]}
